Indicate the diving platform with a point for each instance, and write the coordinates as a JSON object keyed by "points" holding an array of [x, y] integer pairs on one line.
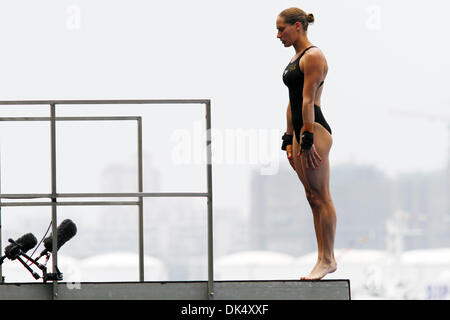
{"points": [[182, 290]]}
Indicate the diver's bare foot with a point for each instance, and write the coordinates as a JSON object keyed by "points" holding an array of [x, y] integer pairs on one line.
{"points": [[313, 270], [321, 271]]}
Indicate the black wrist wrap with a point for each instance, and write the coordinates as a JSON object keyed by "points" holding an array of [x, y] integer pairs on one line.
{"points": [[287, 140], [307, 140]]}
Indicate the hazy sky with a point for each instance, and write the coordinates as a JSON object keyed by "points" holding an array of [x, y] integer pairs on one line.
{"points": [[385, 97]]}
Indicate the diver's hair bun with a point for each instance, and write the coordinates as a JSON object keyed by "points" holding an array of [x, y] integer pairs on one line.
{"points": [[294, 14]]}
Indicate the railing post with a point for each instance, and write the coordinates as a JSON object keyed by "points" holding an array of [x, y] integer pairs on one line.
{"points": [[210, 202], [54, 206], [141, 202], [1, 268]]}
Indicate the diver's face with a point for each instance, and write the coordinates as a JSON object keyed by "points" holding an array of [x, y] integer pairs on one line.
{"points": [[287, 33]]}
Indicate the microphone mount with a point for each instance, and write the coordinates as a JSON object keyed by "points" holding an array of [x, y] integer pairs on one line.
{"points": [[18, 254]]}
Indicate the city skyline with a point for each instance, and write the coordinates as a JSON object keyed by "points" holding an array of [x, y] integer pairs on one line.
{"points": [[400, 218]]}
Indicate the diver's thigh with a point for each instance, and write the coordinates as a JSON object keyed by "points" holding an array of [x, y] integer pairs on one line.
{"points": [[299, 167], [318, 178]]}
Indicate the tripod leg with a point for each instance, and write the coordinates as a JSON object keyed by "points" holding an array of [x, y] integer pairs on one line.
{"points": [[40, 266], [35, 275]]}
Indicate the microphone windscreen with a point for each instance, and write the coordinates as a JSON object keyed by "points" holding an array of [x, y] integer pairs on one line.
{"points": [[66, 230], [26, 242]]}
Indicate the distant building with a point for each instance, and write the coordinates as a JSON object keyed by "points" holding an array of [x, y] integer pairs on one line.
{"points": [[425, 197], [111, 228], [231, 232], [281, 218], [174, 228], [363, 198], [176, 232]]}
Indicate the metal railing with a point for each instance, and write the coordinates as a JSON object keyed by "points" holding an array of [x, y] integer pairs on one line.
{"points": [[54, 195]]}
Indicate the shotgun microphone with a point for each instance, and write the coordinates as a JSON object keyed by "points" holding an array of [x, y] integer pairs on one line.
{"points": [[23, 244], [66, 230]]}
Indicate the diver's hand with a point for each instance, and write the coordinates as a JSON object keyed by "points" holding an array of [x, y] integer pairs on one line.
{"points": [[310, 157]]}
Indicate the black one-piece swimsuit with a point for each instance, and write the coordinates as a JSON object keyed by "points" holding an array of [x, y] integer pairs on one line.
{"points": [[293, 78]]}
